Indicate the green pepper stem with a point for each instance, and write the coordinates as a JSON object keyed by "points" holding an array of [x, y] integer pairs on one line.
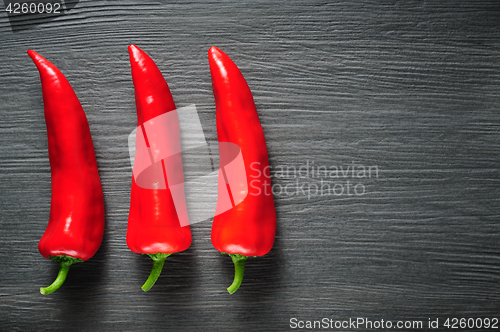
{"points": [[158, 261], [61, 276], [239, 269], [64, 262]]}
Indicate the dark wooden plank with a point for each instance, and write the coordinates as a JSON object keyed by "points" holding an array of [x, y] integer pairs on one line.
{"points": [[410, 89]]}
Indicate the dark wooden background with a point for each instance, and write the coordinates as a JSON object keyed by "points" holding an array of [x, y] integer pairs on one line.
{"points": [[411, 87]]}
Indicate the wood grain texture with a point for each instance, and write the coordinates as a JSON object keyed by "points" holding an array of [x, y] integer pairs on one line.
{"points": [[411, 88]]}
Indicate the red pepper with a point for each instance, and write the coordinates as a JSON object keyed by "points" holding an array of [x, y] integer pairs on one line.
{"points": [[154, 227], [249, 228], [76, 224]]}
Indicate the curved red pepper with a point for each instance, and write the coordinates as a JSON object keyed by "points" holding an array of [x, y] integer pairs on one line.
{"points": [[249, 228], [153, 224], [76, 225]]}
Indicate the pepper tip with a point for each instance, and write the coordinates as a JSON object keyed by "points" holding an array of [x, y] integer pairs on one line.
{"points": [[33, 55], [132, 47], [136, 54], [214, 50]]}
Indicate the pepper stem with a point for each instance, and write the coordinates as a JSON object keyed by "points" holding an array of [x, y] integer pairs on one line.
{"points": [[158, 261], [64, 262], [239, 269]]}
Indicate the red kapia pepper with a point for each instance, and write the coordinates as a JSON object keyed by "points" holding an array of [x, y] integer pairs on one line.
{"points": [[249, 228], [154, 226], [76, 223]]}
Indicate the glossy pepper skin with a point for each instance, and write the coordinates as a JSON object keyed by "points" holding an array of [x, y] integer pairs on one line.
{"points": [[76, 224], [249, 228], [153, 224]]}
